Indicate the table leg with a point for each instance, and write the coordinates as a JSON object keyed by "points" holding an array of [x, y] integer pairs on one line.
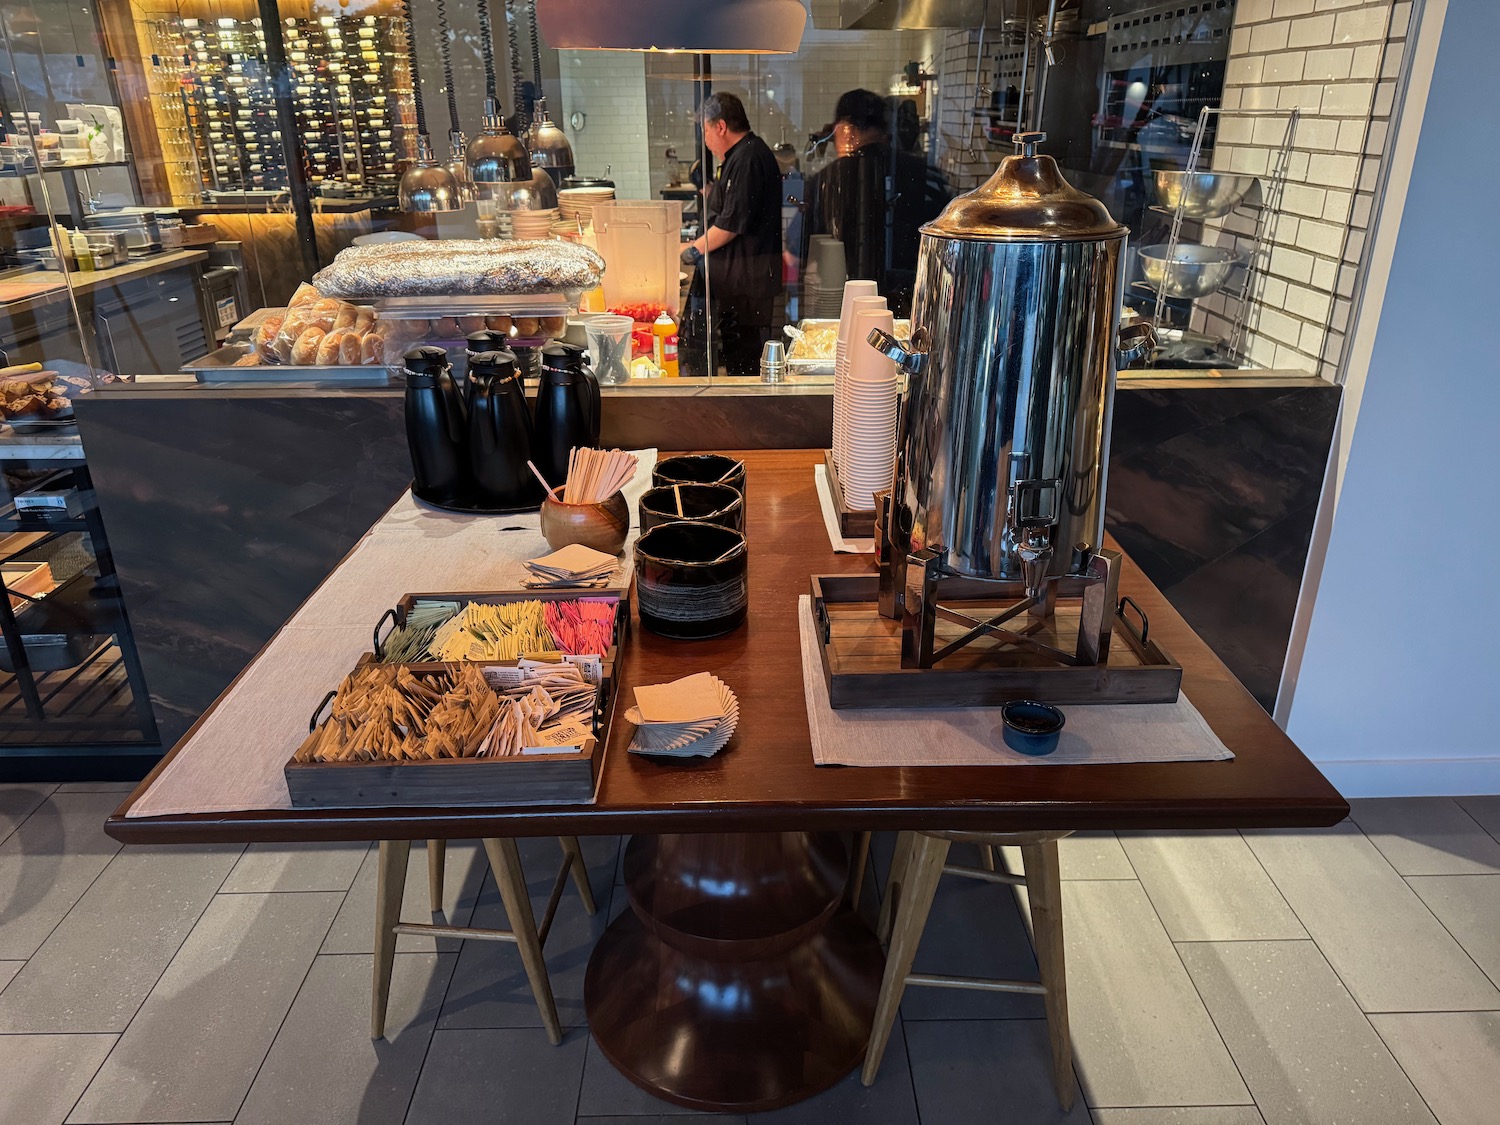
{"points": [[390, 887], [739, 980]]}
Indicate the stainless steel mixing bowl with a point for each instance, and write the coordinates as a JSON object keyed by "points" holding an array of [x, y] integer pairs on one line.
{"points": [[1194, 271], [1203, 195]]}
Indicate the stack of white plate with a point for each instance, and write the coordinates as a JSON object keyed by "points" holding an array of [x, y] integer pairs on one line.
{"points": [[578, 202], [869, 413], [532, 224]]}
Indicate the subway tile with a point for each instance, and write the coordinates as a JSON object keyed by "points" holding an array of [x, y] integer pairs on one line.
{"points": [[324, 1067], [1312, 132], [1366, 62], [1314, 31], [1258, 97], [17, 802], [1296, 165], [1291, 264], [353, 930], [461, 1083], [1245, 71], [1383, 942], [1468, 906], [1288, 66], [1334, 170], [1303, 1046], [963, 1071], [1141, 1033], [1427, 836], [1292, 8], [194, 1048], [1181, 1115], [104, 958], [1253, 11], [1453, 1059], [1323, 274], [1336, 207], [1269, 37], [296, 867], [1309, 304], [1304, 199], [1348, 99], [1208, 886], [41, 1076], [1362, 24], [47, 864], [1307, 98], [1320, 238], [1311, 340]]}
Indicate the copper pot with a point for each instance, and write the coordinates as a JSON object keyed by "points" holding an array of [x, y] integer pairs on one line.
{"points": [[604, 527]]}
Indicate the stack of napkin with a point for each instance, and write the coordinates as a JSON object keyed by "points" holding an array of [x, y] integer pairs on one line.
{"points": [[573, 566], [688, 718]]}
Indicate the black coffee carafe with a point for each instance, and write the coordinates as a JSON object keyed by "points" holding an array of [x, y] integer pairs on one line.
{"points": [[499, 438], [567, 410], [437, 461]]}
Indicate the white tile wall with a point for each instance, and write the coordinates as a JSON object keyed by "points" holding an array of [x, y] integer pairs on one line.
{"points": [[609, 89], [1336, 60]]}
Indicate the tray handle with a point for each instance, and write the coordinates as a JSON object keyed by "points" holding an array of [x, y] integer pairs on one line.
{"points": [[312, 723], [375, 637], [1143, 634]]}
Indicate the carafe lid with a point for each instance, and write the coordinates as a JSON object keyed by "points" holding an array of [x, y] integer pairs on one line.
{"points": [[1026, 200], [558, 356], [425, 361], [499, 362], [485, 340]]}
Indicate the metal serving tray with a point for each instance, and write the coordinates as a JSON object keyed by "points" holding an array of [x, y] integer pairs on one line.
{"points": [[218, 367]]}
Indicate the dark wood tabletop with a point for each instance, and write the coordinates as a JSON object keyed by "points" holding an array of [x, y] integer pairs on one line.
{"points": [[765, 780]]}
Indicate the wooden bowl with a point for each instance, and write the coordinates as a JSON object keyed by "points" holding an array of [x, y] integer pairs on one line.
{"points": [[604, 527]]}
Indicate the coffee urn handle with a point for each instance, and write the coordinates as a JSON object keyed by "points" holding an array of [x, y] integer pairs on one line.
{"points": [[911, 358]]}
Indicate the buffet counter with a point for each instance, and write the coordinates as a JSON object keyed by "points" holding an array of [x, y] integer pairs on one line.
{"points": [[25, 293]]}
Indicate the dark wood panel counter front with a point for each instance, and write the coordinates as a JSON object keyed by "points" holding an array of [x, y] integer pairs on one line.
{"points": [[782, 976]]}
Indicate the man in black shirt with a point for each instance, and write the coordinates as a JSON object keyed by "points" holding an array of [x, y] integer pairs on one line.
{"points": [[742, 236]]}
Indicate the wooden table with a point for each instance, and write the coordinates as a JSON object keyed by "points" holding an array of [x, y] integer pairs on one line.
{"points": [[739, 980]]}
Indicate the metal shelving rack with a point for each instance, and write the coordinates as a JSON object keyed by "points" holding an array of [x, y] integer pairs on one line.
{"points": [[1267, 210], [100, 705]]}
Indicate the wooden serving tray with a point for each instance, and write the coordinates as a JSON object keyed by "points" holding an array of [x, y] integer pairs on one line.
{"points": [[861, 653], [455, 782], [854, 523]]}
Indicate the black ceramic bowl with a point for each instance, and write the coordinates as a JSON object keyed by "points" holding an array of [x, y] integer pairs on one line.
{"points": [[1031, 727], [691, 579], [700, 468], [701, 503]]}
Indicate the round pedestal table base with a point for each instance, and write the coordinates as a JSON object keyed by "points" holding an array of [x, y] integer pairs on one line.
{"points": [[738, 981]]}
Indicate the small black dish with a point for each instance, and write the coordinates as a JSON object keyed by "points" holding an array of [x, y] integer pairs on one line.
{"points": [[700, 503], [700, 468], [691, 580], [1031, 727]]}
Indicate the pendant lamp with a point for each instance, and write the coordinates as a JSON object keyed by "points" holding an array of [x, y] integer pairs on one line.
{"points": [[457, 162], [426, 186], [738, 27], [547, 143], [496, 156]]}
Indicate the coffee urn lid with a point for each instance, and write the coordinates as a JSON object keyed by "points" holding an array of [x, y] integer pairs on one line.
{"points": [[1026, 200]]}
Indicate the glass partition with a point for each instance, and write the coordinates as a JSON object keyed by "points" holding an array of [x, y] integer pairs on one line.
{"points": [[146, 136]]}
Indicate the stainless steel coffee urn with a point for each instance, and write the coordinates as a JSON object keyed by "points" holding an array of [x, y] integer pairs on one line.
{"points": [[1004, 437]]}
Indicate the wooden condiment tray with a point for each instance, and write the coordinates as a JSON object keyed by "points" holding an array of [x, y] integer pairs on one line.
{"points": [[854, 523], [861, 653]]}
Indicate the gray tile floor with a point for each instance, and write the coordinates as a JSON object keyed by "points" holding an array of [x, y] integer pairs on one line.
{"points": [[1258, 978]]}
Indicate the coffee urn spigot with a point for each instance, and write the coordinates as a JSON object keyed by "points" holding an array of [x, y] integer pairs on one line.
{"points": [[1035, 553], [911, 358]]}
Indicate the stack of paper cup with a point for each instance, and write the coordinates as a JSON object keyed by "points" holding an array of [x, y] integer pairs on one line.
{"points": [[853, 291], [870, 413]]}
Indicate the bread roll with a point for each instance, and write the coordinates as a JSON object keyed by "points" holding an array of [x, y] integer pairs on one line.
{"points": [[365, 320], [445, 327], [328, 349], [351, 347], [346, 316], [373, 349], [467, 324], [305, 350], [305, 295], [265, 339], [499, 323], [526, 327], [554, 325]]}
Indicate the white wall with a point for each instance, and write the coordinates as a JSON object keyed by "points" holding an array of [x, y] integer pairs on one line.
{"points": [[1398, 690]]}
